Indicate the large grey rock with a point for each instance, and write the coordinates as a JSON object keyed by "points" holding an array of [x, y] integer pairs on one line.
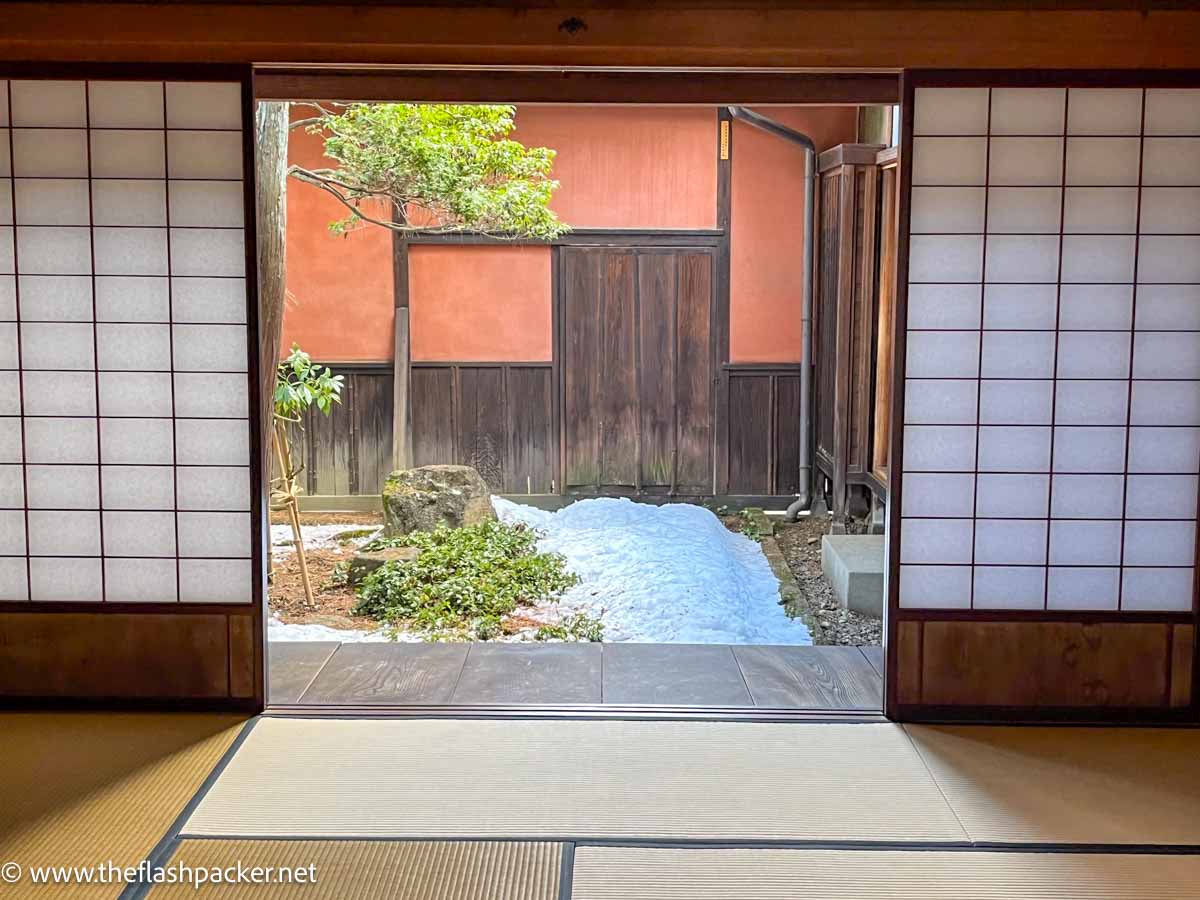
{"points": [[367, 561], [853, 563], [421, 499]]}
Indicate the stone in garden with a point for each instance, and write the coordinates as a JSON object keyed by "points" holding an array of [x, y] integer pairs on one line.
{"points": [[421, 499], [367, 561]]}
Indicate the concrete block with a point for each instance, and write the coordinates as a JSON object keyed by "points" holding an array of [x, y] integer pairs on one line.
{"points": [[853, 564]]}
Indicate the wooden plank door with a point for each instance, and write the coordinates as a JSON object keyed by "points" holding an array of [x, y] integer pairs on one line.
{"points": [[636, 357]]}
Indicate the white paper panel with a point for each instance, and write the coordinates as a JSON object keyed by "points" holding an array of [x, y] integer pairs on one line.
{"points": [[56, 250], [204, 154], [949, 354], [1024, 210], [1168, 259], [139, 487], [1091, 402], [1014, 449], [1087, 496], [132, 299], [10, 392], [1160, 543], [1020, 306], [52, 153], [941, 402], [213, 488], [126, 104], [947, 209], [10, 440], [1096, 307], [56, 298], [1174, 161], [202, 395], [12, 531], [1009, 587], [50, 201], [945, 258], [1170, 210], [63, 487], [214, 300], [8, 298], [139, 533], [140, 394], [1169, 307], [1018, 354], [1166, 355], [215, 580], [208, 204], [138, 347], [1164, 450], [131, 251], [204, 105], [14, 583], [1000, 496], [1157, 590], [6, 199], [129, 202], [1101, 111], [935, 587], [128, 154], [1101, 211], [1093, 354], [64, 580], [72, 533], [943, 306], [140, 580], [1085, 543], [1097, 258], [950, 111], [939, 449], [209, 442], [12, 487], [1089, 450], [1025, 161], [1028, 110], [935, 541], [1102, 162], [60, 104], [59, 393], [1165, 403], [1082, 588], [1022, 258], [210, 348], [1172, 111], [938, 495], [50, 440], [136, 441], [1010, 541], [211, 534], [949, 161], [208, 251], [1161, 497], [9, 357]]}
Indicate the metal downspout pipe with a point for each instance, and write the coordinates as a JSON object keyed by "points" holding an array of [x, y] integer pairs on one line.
{"points": [[741, 114]]}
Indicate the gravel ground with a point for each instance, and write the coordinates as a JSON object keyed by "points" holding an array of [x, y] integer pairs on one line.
{"points": [[828, 622]]}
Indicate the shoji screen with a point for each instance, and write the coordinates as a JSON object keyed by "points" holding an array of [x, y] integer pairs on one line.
{"points": [[127, 474], [1050, 441]]}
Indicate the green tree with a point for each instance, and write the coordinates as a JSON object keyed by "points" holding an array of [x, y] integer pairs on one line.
{"points": [[433, 168]]}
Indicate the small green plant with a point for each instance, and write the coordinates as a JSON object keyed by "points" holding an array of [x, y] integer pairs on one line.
{"points": [[464, 580], [749, 526], [300, 384], [575, 627], [340, 574]]}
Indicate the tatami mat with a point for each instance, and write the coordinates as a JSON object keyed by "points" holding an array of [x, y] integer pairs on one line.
{"points": [[1068, 785], [380, 870], [87, 788], [625, 873], [554, 779]]}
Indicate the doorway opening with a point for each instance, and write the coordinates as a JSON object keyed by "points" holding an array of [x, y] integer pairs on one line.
{"points": [[635, 461]]}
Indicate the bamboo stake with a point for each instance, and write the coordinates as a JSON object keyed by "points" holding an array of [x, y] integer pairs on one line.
{"points": [[287, 494]]}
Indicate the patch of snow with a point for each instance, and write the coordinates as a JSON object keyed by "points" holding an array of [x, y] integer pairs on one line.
{"points": [[318, 537], [670, 574], [279, 631]]}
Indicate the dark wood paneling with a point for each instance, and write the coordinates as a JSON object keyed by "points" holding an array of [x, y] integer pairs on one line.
{"points": [[695, 430], [495, 417], [658, 307], [636, 345], [825, 315], [121, 655], [764, 429], [1044, 664], [619, 425]]}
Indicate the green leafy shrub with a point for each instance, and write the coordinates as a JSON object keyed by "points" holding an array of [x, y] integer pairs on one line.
{"points": [[575, 627], [464, 580]]}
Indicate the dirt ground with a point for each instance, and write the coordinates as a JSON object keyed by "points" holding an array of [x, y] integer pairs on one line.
{"points": [[333, 600], [829, 623]]}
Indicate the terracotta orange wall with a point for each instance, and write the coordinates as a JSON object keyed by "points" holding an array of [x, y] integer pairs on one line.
{"points": [[340, 289], [479, 303], [628, 166], [767, 240]]}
